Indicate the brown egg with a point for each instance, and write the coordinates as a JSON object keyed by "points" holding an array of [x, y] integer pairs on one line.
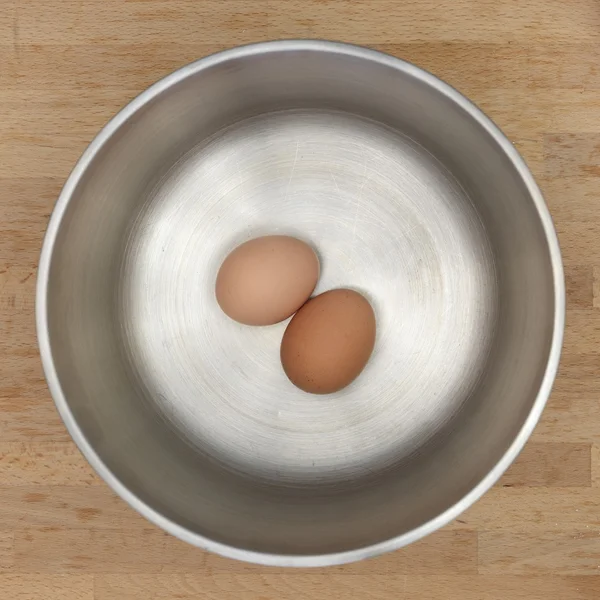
{"points": [[267, 279], [329, 341]]}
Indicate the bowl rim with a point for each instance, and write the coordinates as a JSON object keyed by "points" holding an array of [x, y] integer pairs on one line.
{"points": [[312, 560]]}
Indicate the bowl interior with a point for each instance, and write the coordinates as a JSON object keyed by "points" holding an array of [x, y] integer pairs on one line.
{"points": [[406, 197]]}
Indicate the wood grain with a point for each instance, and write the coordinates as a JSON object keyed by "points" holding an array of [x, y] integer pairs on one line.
{"points": [[61, 506], [474, 21], [25, 464], [49, 587], [367, 587], [66, 66], [575, 552]]}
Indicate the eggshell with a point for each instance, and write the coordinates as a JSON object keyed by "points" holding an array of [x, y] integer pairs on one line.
{"points": [[329, 341], [267, 279]]}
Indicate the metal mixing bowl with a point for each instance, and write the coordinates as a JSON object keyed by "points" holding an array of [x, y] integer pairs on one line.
{"points": [[409, 194]]}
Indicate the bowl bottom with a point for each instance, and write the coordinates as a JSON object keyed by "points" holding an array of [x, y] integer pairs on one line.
{"points": [[386, 218]]}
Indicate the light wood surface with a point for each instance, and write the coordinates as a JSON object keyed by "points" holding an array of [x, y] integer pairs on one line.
{"points": [[66, 66]]}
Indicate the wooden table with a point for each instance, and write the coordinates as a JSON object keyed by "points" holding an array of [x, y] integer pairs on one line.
{"points": [[66, 66]]}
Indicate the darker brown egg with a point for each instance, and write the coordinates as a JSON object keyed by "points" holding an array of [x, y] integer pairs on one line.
{"points": [[329, 341]]}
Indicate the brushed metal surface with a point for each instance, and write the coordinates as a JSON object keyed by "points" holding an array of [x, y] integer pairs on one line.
{"points": [[409, 194], [386, 218]]}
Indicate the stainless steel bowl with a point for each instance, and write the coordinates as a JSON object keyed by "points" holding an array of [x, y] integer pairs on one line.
{"points": [[409, 193]]}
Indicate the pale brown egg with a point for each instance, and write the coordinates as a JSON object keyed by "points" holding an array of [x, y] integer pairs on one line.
{"points": [[329, 341], [267, 279]]}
